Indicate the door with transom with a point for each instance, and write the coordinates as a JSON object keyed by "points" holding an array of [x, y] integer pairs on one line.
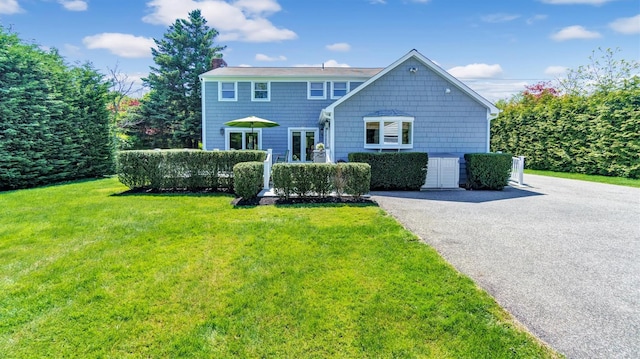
{"points": [[302, 142]]}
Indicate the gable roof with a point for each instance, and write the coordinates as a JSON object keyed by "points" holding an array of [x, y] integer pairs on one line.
{"points": [[492, 109], [292, 72]]}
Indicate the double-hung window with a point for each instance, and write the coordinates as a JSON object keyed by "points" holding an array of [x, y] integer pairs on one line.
{"points": [[227, 91], [388, 132], [316, 91], [261, 91], [339, 89]]}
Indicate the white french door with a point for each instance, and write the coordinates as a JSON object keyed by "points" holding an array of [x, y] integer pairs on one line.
{"points": [[302, 142]]}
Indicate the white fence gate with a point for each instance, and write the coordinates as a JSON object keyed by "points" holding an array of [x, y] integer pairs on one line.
{"points": [[517, 170]]}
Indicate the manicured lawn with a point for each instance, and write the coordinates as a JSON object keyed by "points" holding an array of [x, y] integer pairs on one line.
{"points": [[84, 273], [620, 181]]}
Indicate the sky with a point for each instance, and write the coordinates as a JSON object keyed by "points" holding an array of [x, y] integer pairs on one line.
{"points": [[496, 47]]}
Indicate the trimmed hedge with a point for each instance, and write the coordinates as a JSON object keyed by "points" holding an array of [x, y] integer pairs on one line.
{"points": [[319, 179], [394, 170], [488, 170], [190, 170], [247, 177]]}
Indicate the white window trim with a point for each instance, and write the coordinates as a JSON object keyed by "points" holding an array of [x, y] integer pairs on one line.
{"points": [[316, 133], [324, 91], [253, 91], [381, 121], [244, 131], [333, 89], [235, 91]]}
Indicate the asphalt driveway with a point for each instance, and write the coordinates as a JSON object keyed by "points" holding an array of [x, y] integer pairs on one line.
{"points": [[563, 256]]}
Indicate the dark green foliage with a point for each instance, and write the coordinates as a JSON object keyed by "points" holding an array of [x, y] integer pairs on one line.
{"points": [[319, 179], [394, 170], [174, 110], [54, 122], [248, 177], [488, 170], [181, 169], [596, 134]]}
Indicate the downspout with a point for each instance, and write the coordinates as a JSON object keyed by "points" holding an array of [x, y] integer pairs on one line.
{"points": [[204, 115], [490, 116]]}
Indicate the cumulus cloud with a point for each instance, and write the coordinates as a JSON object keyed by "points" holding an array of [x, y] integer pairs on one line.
{"points": [[9, 7], [74, 5], [476, 71], [339, 46], [497, 90], [556, 71], [265, 58], [627, 25], [571, 2], [499, 17], [575, 32], [124, 45], [242, 20], [328, 63]]}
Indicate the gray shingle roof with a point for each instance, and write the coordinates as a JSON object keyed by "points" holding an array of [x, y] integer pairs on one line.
{"points": [[348, 72]]}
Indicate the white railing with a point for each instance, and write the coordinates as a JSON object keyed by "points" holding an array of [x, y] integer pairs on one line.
{"points": [[328, 156], [267, 169], [517, 170]]}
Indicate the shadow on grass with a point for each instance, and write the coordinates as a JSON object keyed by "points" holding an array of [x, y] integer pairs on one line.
{"points": [[461, 195], [307, 202], [172, 193]]}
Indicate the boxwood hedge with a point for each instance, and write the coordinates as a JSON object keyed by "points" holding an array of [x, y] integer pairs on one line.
{"points": [[394, 170], [320, 179], [488, 170]]}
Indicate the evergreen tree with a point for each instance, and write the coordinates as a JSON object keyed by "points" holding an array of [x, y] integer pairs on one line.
{"points": [[184, 53]]}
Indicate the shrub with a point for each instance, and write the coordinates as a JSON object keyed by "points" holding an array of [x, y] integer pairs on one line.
{"points": [[248, 178], [356, 178], [319, 179], [488, 170], [394, 170], [181, 169]]}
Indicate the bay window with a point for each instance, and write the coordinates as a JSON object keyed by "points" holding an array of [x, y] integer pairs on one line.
{"points": [[388, 132]]}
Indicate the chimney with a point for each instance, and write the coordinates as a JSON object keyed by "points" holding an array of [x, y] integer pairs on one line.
{"points": [[217, 63]]}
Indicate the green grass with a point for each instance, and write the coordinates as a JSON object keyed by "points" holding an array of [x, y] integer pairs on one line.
{"points": [[84, 273], [620, 181]]}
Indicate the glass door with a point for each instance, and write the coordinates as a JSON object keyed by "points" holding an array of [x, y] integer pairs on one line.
{"points": [[302, 142]]}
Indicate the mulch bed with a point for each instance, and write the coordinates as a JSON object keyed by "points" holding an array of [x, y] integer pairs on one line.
{"points": [[265, 201]]}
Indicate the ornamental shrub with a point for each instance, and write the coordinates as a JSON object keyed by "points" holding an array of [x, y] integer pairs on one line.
{"points": [[394, 170], [247, 177], [319, 179], [488, 170]]}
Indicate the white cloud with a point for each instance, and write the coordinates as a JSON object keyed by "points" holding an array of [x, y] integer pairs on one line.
{"points": [[69, 50], [328, 63], [74, 5], [124, 45], [627, 25], [9, 7], [244, 65], [556, 71], [571, 2], [421, 1], [242, 20], [497, 90], [374, 2], [536, 18], [339, 46], [476, 71], [575, 32], [266, 58], [499, 17]]}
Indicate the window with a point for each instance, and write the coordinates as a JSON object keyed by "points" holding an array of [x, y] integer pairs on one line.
{"points": [[315, 90], [261, 91], [339, 89], [388, 132], [243, 139], [227, 91]]}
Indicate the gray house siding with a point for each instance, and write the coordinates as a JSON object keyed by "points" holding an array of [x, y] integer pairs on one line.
{"points": [[289, 107], [444, 122]]}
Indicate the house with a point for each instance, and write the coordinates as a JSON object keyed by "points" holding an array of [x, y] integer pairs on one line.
{"points": [[411, 105]]}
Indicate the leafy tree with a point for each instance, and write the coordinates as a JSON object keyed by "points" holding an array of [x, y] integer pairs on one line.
{"points": [[185, 52]]}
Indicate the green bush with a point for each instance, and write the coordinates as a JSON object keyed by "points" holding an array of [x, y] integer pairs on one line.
{"points": [[488, 170], [181, 169], [248, 179], [394, 170], [319, 179]]}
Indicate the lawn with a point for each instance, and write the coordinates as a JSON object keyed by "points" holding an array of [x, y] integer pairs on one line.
{"points": [[85, 272], [620, 181]]}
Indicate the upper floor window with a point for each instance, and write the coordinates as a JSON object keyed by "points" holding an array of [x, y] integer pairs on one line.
{"points": [[261, 91], [227, 91], [339, 89], [316, 90], [388, 132]]}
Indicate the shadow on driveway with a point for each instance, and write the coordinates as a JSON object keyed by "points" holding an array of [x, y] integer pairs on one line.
{"points": [[460, 195]]}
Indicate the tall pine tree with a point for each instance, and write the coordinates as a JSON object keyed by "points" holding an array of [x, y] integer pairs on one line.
{"points": [[185, 52]]}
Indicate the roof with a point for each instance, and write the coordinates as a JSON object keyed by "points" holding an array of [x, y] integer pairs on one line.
{"points": [[492, 109], [292, 72]]}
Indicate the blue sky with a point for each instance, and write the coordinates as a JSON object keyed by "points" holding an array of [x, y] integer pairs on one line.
{"points": [[496, 47]]}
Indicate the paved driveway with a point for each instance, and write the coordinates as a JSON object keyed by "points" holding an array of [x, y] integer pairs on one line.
{"points": [[562, 256]]}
